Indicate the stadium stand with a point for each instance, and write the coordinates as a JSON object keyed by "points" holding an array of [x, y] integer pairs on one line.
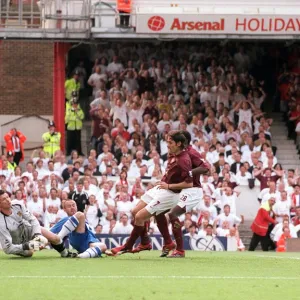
{"points": [[132, 96]]}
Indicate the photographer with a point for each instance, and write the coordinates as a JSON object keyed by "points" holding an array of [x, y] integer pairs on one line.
{"points": [[73, 120], [51, 140]]}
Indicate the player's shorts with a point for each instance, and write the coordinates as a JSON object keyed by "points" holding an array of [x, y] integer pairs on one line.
{"points": [[150, 195], [81, 241], [190, 198], [160, 200]]}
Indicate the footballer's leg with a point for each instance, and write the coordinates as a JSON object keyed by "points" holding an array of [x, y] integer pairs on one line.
{"points": [[176, 212], [188, 199], [140, 218], [57, 243], [162, 224], [94, 250], [145, 243], [75, 223]]}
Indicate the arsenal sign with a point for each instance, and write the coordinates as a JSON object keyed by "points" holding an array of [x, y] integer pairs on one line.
{"points": [[216, 24]]}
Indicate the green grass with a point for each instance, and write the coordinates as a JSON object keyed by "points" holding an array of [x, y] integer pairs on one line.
{"points": [[219, 275]]}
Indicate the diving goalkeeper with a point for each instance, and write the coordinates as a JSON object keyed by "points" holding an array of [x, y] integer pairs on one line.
{"points": [[20, 231]]}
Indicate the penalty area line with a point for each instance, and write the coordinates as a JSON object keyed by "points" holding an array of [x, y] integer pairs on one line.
{"points": [[148, 277]]}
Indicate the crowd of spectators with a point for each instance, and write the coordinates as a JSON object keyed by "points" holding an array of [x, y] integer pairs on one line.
{"points": [[139, 93]]}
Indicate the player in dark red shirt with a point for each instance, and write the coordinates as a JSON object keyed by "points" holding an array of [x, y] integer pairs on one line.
{"points": [[189, 198], [165, 194]]}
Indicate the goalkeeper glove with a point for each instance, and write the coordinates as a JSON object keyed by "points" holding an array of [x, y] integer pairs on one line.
{"points": [[32, 245], [41, 239]]}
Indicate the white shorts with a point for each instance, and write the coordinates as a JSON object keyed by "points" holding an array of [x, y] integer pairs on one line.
{"points": [[150, 195], [190, 198], [159, 201]]}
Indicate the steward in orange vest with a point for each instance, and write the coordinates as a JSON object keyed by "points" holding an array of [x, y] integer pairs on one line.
{"points": [[15, 140], [124, 8]]}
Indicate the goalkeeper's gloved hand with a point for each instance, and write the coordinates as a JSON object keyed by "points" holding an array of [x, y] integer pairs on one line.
{"points": [[41, 239], [32, 245]]}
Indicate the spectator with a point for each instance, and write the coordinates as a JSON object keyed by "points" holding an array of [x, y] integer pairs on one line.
{"points": [[281, 244], [15, 140], [36, 207], [80, 197], [93, 213], [122, 227]]}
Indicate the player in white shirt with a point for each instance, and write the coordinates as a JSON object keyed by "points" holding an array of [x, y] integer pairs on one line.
{"points": [[123, 227]]}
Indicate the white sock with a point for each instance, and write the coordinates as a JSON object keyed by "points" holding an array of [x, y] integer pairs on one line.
{"points": [[68, 227], [91, 252]]}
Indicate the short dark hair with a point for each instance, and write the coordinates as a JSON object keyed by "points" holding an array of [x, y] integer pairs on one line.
{"points": [[178, 137], [187, 136], [209, 225]]}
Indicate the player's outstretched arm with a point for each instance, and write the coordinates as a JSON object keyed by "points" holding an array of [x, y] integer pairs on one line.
{"points": [[200, 171]]}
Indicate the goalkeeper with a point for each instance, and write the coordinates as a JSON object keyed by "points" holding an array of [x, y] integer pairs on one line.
{"points": [[20, 231]]}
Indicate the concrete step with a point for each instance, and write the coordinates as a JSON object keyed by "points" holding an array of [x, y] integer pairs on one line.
{"points": [[279, 126], [278, 123], [280, 137], [285, 146], [286, 151], [294, 156], [289, 161], [285, 141], [284, 157]]}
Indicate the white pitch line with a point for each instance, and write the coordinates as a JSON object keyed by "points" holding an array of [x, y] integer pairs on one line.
{"points": [[279, 257], [147, 277]]}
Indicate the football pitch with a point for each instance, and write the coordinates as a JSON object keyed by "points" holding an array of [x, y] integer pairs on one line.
{"points": [[145, 276]]}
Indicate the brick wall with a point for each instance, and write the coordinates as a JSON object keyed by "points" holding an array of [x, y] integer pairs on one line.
{"points": [[26, 77]]}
